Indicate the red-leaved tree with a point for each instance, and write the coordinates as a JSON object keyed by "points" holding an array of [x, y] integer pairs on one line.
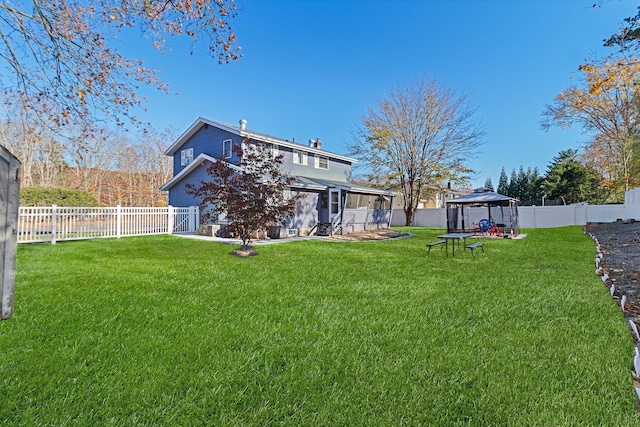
{"points": [[251, 196]]}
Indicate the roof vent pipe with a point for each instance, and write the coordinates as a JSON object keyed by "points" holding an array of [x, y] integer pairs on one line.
{"points": [[243, 124], [312, 143]]}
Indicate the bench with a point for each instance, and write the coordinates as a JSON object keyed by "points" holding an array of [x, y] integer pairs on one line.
{"points": [[432, 244], [475, 246]]}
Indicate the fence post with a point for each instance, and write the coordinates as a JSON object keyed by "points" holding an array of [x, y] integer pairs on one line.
{"points": [[118, 221], [53, 223], [193, 219], [171, 218], [533, 211]]}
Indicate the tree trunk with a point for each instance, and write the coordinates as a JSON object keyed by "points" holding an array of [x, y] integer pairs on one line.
{"points": [[409, 214]]}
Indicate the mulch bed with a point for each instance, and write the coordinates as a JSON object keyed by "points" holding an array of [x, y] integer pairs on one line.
{"points": [[619, 267], [368, 235], [620, 261]]}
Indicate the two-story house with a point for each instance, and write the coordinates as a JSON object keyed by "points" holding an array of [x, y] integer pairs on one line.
{"points": [[331, 202]]}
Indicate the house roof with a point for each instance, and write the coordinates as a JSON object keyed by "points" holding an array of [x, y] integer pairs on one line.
{"points": [[301, 182], [244, 133], [322, 184], [306, 183]]}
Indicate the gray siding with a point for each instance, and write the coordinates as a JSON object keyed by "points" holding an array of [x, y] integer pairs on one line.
{"points": [[307, 214], [305, 218], [207, 140], [339, 170], [178, 195]]}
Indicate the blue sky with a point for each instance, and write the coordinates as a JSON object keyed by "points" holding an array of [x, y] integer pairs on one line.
{"points": [[313, 68]]}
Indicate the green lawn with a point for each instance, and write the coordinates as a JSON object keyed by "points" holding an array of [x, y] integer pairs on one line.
{"points": [[170, 331]]}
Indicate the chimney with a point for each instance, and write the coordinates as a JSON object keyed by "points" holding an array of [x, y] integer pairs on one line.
{"points": [[243, 124], [315, 143]]}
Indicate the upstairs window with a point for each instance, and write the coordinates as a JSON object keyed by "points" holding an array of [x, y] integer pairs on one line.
{"points": [[299, 157], [322, 162], [186, 156], [226, 148], [273, 150]]}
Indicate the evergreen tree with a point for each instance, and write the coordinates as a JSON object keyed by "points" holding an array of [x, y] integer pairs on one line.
{"points": [[513, 185], [571, 181], [523, 185], [535, 187], [488, 184], [503, 183]]}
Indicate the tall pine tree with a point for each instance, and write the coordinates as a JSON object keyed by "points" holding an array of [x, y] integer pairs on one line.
{"points": [[503, 183]]}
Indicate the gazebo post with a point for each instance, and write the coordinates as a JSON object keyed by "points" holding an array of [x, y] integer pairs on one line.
{"points": [[462, 212]]}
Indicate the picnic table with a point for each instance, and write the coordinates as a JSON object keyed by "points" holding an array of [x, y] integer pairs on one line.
{"points": [[453, 237]]}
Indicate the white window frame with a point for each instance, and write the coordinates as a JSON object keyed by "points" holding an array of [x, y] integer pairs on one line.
{"points": [[186, 156], [227, 148], [317, 162], [334, 203], [296, 157], [274, 150]]}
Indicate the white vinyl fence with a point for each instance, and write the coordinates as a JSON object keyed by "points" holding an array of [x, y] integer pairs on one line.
{"points": [[54, 223], [537, 216]]}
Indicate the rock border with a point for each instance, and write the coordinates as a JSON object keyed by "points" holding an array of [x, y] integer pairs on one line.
{"points": [[621, 301]]}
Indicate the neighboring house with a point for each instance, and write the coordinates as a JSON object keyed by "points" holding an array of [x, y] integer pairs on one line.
{"points": [[438, 199], [331, 203]]}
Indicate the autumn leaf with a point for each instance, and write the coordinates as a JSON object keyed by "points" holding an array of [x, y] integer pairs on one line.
{"points": [[66, 45]]}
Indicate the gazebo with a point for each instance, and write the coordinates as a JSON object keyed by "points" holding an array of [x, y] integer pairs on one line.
{"points": [[501, 210]]}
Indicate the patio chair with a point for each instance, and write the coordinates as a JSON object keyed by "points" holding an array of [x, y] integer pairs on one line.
{"points": [[483, 227]]}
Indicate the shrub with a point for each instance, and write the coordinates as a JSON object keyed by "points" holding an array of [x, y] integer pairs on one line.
{"points": [[45, 196]]}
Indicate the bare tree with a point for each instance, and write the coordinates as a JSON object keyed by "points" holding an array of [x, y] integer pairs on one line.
{"points": [[142, 168], [26, 136], [418, 136], [50, 165], [129, 170], [158, 167], [115, 167], [92, 157]]}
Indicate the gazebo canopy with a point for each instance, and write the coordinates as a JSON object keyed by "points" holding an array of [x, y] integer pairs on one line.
{"points": [[501, 209], [482, 198]]}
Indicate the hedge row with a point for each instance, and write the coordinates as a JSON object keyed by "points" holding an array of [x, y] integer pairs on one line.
{"points": [[44, 196]]}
